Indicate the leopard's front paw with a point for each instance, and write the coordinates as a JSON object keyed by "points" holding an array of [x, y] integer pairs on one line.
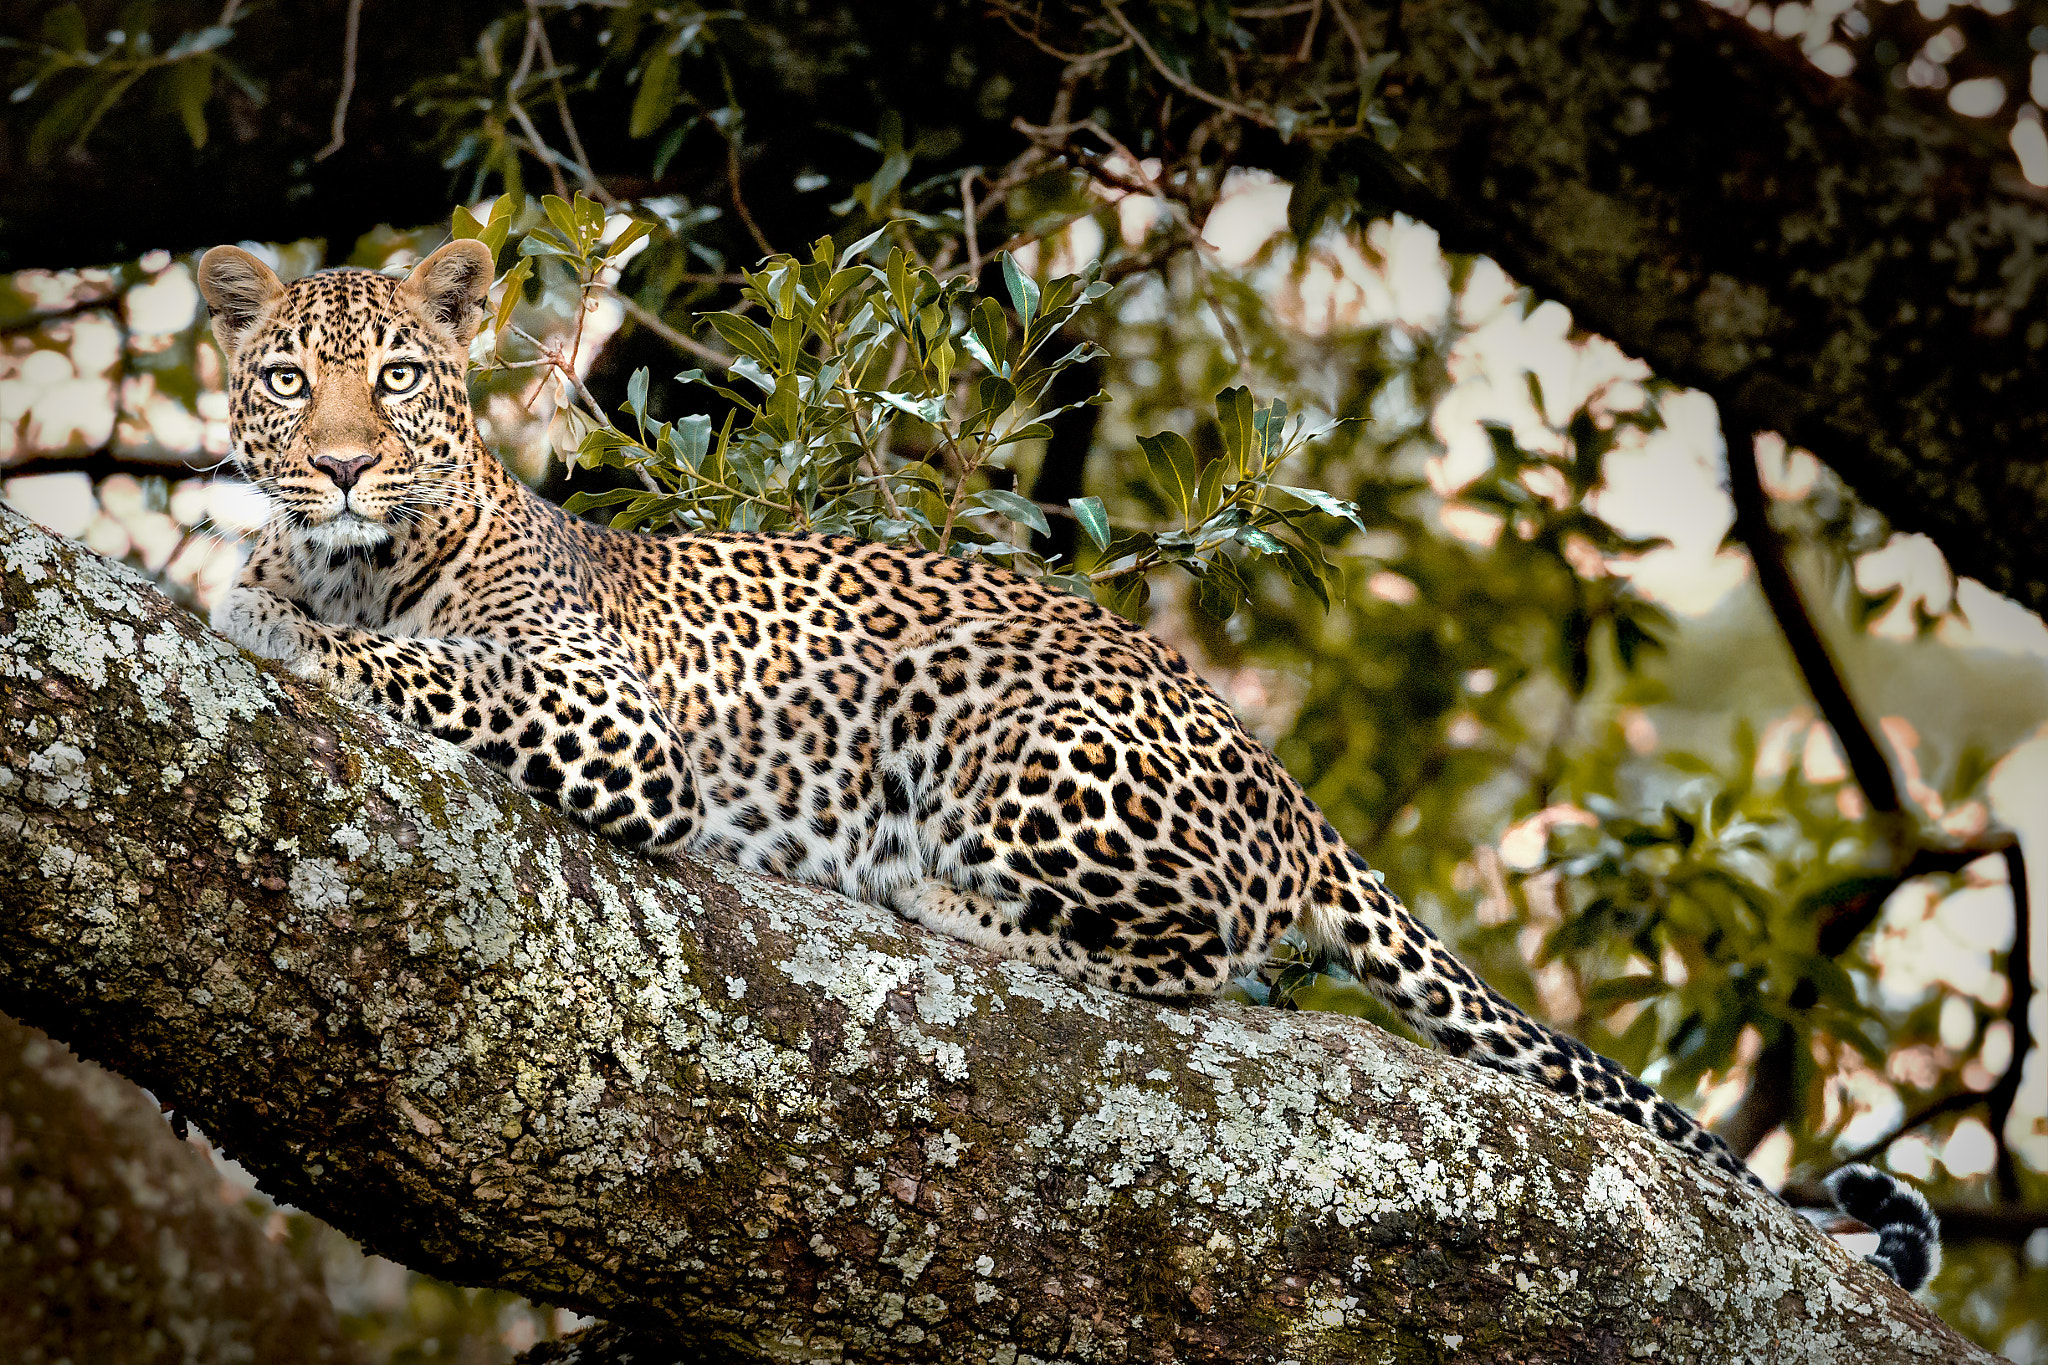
{"points": [[267, 626]]}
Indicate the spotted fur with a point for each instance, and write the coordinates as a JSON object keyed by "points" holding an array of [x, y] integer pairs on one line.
{"points": [[999, 761]]}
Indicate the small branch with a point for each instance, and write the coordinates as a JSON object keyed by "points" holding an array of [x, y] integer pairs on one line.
{"points": [[1953, 1103], [1959, 1222], [554, 75], [2019, 976], [348, 81], [98, 464], [968, 214], [682, 341], [1823, 676], [542, 153], [33, 321], [1182, 83]]}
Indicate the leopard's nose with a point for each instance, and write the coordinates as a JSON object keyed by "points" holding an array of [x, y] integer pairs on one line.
{"points": [[344, 470]]}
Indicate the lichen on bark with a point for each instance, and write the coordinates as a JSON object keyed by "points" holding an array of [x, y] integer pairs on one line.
{"points": [[769, 1120], [1862, 278]]}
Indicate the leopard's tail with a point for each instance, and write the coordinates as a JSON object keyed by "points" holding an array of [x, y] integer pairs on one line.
{"points": [[1908, 1232], [1353, 916]]}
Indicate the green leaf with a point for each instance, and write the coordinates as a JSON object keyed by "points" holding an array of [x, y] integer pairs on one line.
{"points": [[993, 396], [744, 336], [190, 85], [514, 285], [1220, 590], [1209, 492], [1240, 436], [1323, 502], [900, 292], [1016, 507], [1030, 431], [563, 215], [195, 42], [932, 410], [1172, 461], [1023, 290], [988, 339], [64, 29], [840, 282], [656, 96], [1094, 520], [1306, 569], [859, 248], [636, 394], [629, 234]]}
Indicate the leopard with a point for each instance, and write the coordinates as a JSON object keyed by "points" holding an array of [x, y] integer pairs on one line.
{"points": [[983, 753]]}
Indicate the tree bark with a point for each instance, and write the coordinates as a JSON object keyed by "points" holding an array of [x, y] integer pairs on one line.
{"points": [[115, 1243], [1868, 281], [772, 1121]]}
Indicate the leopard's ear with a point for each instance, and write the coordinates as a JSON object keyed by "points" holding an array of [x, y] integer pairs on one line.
{"points": [[449, 287], [238, 290]]}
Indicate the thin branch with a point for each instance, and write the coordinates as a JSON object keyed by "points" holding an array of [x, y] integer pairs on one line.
{"points": [[34, 321], [1082, 60], [554, 75], [2019, 976], [1953, 1103], [1959, 1222], [682, 341], [968, 214], [543, 153], [1810, 651], [1182, 83], [348, 81], [102, 462]]}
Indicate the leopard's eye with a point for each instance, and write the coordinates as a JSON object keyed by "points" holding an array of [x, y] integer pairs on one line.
{"points": [[400, 376], [286, 381]]}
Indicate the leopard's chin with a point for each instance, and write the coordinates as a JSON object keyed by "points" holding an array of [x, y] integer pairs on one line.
{"points": [[348, 531]]}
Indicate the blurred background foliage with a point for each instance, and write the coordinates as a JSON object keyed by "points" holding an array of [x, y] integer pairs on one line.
{"points": [[1471, 572]]}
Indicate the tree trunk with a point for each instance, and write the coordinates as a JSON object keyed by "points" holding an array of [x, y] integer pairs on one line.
{"points": [[771, 1120], [115, 1244]]}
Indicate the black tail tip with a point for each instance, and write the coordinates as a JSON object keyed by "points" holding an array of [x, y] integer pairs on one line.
{"points": [[1908, 1233]]}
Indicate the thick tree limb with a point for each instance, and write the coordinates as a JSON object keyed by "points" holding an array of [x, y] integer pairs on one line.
{"points": [[115, 1244], [1871, 283], [770, 1120]]}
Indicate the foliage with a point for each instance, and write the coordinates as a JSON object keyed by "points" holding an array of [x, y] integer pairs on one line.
{"points": [[885, 401]]}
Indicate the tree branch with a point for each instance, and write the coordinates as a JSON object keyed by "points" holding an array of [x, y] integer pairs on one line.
{"points": [[1912, 856], [1816, 662], [113, 1229], [766, 1119]]}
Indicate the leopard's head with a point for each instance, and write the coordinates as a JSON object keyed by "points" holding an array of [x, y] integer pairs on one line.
{"points": [[346, 397]]}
